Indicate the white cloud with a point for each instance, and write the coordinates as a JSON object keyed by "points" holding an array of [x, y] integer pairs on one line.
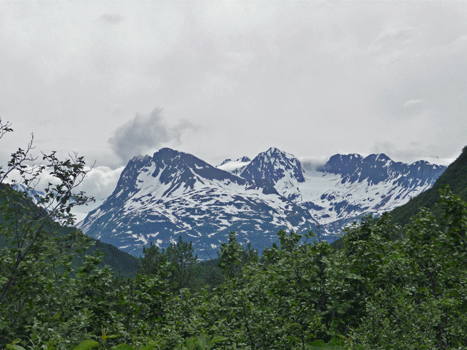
{"points": [[413, 102], [100, 182]]}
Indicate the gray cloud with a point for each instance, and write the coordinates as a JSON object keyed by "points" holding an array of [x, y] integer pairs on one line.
{"points": [[413, 151], [145, 133], [111, 18]]}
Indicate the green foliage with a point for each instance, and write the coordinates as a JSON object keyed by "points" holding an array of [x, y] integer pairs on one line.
{"points": [[233, 257], [421, 304], [87, 344], [181, 265], [153, 261], [36, 260], [177, 265], [374, 293], [202, 342]]}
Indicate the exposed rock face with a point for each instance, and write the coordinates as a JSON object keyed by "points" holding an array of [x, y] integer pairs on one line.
{"points": [[172, 193]]}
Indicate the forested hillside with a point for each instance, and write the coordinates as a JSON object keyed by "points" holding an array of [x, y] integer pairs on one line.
{"points": [[455, 176], [374, 293]]}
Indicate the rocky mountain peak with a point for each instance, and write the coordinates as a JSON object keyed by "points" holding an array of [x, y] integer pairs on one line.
{"points": [[273, 166], [174, 193], [377, 168]]}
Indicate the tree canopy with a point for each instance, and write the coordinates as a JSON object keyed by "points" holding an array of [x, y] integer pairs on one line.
{"points": [[376, 292]]}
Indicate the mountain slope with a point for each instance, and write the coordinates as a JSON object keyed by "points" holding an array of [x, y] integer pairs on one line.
{"points": [[345, 187], [352, 186], [279, 168], [173, 193], [121, 263], [455, 176], [176, 194]]}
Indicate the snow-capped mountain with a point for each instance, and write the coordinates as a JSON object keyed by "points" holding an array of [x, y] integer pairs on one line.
{"points": [[173, 193], [281, 169], [345, 187], [349, 186]]}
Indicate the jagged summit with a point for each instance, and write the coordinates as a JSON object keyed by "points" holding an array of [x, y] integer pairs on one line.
{"points": [[274, 166], [228, 160], [174, 193], [376, 168], [186, 168]]}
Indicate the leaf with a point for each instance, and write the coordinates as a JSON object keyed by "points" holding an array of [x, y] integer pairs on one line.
{"points": [[318, 343], [16, 347], [124, 347], [87, 344], [150, 346], [217, 339]]}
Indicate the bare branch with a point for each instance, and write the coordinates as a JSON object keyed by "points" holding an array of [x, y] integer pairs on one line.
{"points": [[4, 128], [17, 163]]}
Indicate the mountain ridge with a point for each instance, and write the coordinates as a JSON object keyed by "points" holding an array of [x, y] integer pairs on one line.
{"points": [[174, 193]]}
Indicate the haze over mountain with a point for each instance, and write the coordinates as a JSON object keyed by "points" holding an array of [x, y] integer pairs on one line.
{"points": [[175, 194]]}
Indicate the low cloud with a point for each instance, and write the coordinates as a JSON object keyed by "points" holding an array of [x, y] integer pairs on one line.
{"points": [[312, 163], [111, 18], [414, 151], [145, 133], [409, 154], [100, 182]]}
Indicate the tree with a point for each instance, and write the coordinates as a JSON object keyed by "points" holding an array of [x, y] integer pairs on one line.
{"points": [[36, 256], [415, 292], [153, 261], [181, 265], [233, 257]]}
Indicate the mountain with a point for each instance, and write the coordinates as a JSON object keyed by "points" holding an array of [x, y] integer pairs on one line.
{"points": [[121, 263], [352, 186], [176, 194], [279, 168], [345, 187], [455, 176], [377, 168]]}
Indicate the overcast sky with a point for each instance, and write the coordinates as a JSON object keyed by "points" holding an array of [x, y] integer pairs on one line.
{"points": [[224, 79]]}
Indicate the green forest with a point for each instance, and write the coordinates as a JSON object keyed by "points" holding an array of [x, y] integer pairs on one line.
{"points": [[387, 283]]}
